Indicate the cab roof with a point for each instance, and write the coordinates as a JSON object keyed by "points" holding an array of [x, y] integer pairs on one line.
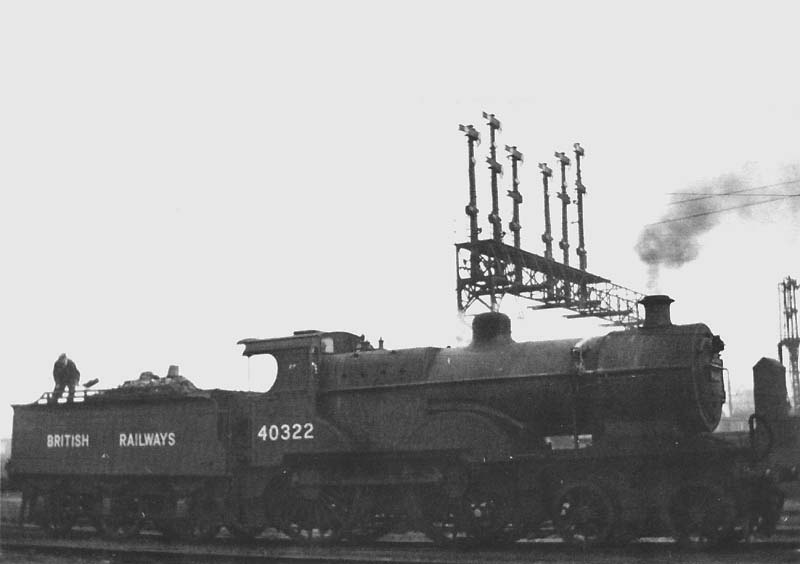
{"points": [[342, 342]]}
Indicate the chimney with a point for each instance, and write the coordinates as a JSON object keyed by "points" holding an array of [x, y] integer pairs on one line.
{"points": [[656, 311], [491, 328]]}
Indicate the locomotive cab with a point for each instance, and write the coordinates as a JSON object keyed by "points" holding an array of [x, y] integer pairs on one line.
{"points": [[299, 355], [285, 422]]}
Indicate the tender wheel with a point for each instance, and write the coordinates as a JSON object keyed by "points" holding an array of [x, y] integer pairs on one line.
{"points": [[118, 516], [191, 530], [60, 512], [200, 521], [246, 525], [309, 514], [583, 514], [702, 515]]}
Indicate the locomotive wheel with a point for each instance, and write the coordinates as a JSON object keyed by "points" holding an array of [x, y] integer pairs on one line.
{"points": [[309, 514], [118, 516], [370, 519], [583, 514], [765, 511], [444, 517], [444, 508], [61, 511], [492, 517], [702, 515], [532, 517], [480, 513]]}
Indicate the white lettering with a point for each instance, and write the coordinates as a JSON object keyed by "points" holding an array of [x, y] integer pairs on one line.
{"points": [[286, 432], [67, 441], [155, 439]]}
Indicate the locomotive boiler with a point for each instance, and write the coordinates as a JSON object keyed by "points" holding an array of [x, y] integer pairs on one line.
{"points": [[661, 378], [598, 440]]}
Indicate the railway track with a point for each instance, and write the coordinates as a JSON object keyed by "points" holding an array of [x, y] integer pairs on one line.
{"points": [[83, 544], [171, 552]]}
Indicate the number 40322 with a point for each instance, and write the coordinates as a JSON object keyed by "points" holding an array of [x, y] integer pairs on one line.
{"points": [[287, 432]]}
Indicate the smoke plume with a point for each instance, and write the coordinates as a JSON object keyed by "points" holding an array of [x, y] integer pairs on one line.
{"points": [[675, 239]]}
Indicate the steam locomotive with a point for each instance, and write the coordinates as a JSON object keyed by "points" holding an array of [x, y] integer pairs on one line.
{"points": [[598, 440]]}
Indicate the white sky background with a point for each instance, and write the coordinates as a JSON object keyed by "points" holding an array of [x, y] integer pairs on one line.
{"points": [[178, 176]]}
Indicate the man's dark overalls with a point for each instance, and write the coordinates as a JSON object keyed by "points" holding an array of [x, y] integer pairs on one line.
{"points": [[65, 375]]}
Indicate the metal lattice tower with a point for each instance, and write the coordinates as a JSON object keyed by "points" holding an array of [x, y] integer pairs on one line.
{"points": [[790, 338]]}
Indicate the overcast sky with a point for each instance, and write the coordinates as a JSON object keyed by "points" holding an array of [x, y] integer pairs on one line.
{"points": [[177, 176]]}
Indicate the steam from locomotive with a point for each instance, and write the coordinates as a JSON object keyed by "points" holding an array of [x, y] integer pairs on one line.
{"points": [[674, 240]]}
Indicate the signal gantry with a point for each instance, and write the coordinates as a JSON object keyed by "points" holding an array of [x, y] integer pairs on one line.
{"points": [[488, 269]]}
